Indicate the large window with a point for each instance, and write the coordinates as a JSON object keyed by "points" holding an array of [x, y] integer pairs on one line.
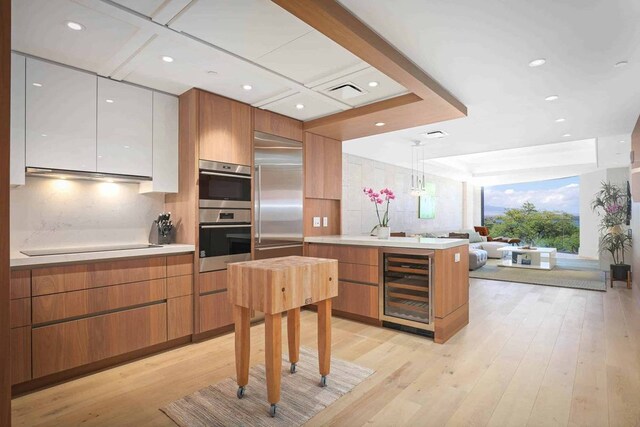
{"points": [[541, 213]]}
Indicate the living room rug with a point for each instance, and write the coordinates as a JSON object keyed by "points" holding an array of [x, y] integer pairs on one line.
{"points": [[561, 276], [301, 397]]}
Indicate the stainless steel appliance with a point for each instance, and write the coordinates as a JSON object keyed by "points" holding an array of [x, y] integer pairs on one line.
{"points": [[278, 196], [225, 214]]}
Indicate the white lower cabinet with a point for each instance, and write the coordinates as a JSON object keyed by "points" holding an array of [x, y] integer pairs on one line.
{"points": [[125, 133], [17, 120], [60, 117]]}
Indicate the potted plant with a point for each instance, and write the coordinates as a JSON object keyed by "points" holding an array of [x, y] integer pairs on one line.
{"points": [[610, 203], [385, 195]]}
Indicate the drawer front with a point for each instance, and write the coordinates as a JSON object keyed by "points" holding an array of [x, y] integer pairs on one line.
{"points": [[49, 308], [20, 284], [215, 311], [20, 355], [79, 342], [179, 265], [213, 281], [85, 276], [348, 254], [20, 312], [357, 299], [179, 286], [358, 273], [179, 317]]}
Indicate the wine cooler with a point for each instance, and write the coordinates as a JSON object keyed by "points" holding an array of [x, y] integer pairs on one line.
{"points": [[406, 294]]}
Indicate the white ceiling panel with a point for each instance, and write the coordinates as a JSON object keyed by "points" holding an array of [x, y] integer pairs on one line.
{"points": [[39, 29], [144, 7], [248, 28], [386, 87], [314, 106], [191, 66], [310, 58]]}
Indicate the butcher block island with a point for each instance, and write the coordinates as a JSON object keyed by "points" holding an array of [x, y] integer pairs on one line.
{"points": [[415, 284]]}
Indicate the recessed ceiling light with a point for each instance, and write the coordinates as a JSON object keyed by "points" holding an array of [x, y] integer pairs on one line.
{"points": [[75, 26], [537, 62], [621, 64], [167, 59], [560, 120], [109, 101], [247, 87], [380, 124], [127, 147], [551, 98], [44, 134], [299, 106], [566, 135], [621, 142], [37, 84], [373, 84]]}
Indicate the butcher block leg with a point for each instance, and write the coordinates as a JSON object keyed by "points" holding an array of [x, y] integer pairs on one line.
{"points": [[324, 339], [273, 355], [293, 336], [242, 323]]}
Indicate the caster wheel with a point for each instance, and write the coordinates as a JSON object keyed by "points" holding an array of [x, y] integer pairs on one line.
{"points": [[240, 392], [272, 410], [293, 368], [323, 381]]}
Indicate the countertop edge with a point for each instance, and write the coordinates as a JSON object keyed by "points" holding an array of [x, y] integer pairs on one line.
{"points": [[393, 242]]}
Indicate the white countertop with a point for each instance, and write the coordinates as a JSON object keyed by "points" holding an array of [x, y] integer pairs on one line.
{"points": [[19, 259], [393, 242]]}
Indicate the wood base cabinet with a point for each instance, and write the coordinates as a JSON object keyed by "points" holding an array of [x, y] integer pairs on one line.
{"points": [[215, 311], [357, 298]]}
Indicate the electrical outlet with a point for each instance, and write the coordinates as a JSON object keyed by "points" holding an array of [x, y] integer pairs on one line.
{"points": [[316, 221], [456, 257], [325, 221]]}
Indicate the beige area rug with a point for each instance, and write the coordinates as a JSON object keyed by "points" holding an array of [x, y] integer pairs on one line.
{"points": [[301, 397], [561, 276]]}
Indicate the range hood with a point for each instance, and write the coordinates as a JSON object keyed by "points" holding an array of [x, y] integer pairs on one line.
{"points": [[92, 176]]}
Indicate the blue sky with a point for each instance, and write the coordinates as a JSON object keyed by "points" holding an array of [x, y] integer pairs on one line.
{"points": [[555, 194]]}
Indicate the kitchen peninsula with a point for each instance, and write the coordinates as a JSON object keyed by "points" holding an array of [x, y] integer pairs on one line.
{"points": [[409, 283]]}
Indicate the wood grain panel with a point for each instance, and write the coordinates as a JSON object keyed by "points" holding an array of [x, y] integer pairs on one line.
{"points": [[451, 280], [20, 354], [357, 299], [179, 317], [635, 145], [179, 265], [322, 208], [215, 311], [20, 284], [314, 165], [52, 307], [358, 272], [225, 130], [213, 281], [447, 327], [84, 276], [20, 312], [343, 253], [78, 342], [179, 286], [277, 124], [332, 169]]}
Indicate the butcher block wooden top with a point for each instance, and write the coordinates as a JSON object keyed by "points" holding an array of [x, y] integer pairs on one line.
{"points": [[279, 284]]}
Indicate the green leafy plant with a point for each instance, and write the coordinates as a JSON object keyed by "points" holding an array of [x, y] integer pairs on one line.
{"points": [[610, 203]]}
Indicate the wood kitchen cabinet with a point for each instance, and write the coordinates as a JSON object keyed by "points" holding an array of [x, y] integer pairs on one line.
{"points": [[277, 124], [18, 70], [323, 167], [60, 117], [215, 311], [225, 129]]}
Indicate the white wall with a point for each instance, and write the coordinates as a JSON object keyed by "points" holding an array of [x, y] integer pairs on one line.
{"points": [[48, 213], [358, 214], [589, 220]]}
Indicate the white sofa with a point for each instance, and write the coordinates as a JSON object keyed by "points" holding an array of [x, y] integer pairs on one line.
{"points": [[490, 247]]}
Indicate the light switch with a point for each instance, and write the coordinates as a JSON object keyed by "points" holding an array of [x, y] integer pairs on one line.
{"points": [[316, 221], [325, 221], [456, 257]]}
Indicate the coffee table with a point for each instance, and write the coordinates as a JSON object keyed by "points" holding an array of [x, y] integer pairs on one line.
{"points": [[541, 258]]}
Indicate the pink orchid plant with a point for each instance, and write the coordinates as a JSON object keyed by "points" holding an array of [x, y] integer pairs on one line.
{"points": [[384, 195]]}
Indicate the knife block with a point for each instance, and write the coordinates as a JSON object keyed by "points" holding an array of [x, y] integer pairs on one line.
{"points": [[155, 238]]}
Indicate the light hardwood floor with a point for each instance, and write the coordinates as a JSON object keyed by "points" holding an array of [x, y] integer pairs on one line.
{"points": [[531, 355]]}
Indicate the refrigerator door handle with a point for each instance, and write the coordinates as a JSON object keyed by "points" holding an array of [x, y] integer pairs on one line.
{"points": [[259, 202]]}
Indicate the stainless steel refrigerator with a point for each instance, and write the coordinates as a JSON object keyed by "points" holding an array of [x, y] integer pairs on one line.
{"points": [[278, 184]]}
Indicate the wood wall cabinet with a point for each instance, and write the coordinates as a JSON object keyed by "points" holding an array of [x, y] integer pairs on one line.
{"points": [[277, 124], [225, 131], [323, 167]]}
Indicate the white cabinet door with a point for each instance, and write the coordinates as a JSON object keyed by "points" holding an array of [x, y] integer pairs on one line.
{"points": [[60, 117], [165, 145], [17, 119], [124, 129]]}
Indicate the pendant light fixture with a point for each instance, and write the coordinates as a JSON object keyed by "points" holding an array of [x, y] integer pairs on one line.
{"points": [[418, 179]]}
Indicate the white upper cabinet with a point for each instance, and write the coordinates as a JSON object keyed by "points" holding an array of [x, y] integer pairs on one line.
{"points": [[17, 119], [60, 117], [125, 129], [165, 145]]}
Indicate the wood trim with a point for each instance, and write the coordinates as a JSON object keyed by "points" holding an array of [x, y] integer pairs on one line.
{"points": [[20, 284], [277, 124], [5, 135]]}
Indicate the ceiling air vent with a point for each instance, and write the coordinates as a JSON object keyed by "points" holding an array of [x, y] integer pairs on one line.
{"points": [[346, 91], [435, 134]]}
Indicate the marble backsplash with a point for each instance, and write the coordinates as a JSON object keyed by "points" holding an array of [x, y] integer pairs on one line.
{"points": [[49, 213]]}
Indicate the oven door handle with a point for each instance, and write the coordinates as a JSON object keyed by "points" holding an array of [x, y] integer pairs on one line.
{"points": [[225, 226], [225, 174]]}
